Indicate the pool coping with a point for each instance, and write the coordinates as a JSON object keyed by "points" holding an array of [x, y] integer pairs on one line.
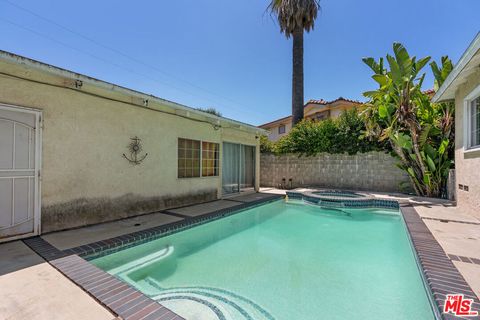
{"points": [[439, 274], [118, 297]]}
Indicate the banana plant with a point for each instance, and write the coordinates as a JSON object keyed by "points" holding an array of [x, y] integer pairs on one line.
{"points": [[419, 131]]}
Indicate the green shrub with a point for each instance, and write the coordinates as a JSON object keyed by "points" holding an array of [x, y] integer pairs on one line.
{"points": [[349, 138], [341, 135], [266, 146]]}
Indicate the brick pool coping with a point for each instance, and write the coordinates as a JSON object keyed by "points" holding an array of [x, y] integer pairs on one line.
{"points": [[121, 299], [440, 275]]}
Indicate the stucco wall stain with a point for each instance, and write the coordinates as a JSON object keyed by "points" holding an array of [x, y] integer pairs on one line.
{"points": [[82, 212]]}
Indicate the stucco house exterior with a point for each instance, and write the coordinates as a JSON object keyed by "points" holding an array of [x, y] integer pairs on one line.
{"points": [[463, 86], [316, 110], [76, 151]]}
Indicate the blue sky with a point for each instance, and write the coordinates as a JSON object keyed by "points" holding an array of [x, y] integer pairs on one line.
{"points": [[229, 54]]}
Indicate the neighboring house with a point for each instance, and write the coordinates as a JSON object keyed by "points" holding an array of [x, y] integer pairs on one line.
{"points": [[316, 110], [75, 151], [463, 86]]}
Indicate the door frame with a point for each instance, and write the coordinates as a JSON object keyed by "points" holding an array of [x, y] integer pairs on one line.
{"points": [[37, 200], [245, 190]]}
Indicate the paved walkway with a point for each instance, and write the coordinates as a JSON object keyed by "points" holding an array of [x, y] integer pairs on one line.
{"points": [[30, 288]]}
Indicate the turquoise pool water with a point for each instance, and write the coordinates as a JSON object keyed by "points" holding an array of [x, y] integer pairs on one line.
{"points": [[282, 261]]}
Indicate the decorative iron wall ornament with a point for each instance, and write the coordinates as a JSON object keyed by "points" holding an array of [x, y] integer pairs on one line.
{"points": [[135, 148]]}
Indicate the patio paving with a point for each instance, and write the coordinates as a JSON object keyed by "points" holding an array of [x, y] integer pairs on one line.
{"points": [[249, 197], [77, 237], [30, 288], [203, 208]]}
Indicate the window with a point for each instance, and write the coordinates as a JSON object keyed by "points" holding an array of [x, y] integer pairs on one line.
{"points": [[471, 120], [281, 129], [196, 158], [322, 115], [209, 159], [188, 158], [474, 128]]}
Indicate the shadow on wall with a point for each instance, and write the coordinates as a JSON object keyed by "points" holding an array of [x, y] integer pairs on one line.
{"points": [[82, 212]]}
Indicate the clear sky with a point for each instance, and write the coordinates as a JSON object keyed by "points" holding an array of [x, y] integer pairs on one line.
{"points": [[230, 54]]}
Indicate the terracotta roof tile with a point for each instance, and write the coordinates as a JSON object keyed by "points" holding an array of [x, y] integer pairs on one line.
{"points": [[312, 101]]}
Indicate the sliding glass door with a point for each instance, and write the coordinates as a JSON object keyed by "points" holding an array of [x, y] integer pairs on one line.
{"points": [[238, 169]]}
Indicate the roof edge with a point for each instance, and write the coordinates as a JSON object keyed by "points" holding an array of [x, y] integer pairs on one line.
{"points": [[108, 86], [274, 121], [461, 64]]}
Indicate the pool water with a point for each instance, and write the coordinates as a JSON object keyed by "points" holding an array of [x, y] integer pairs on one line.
{"points": [[282, 261]]}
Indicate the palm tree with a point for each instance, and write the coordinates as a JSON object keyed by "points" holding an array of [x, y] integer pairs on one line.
{"points": [[295, 16]]}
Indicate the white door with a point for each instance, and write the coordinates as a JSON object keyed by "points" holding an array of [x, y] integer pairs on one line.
{"points": [[19, 172]]}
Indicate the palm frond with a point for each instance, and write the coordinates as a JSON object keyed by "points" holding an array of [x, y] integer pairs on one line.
{"points": [[294, 15]]}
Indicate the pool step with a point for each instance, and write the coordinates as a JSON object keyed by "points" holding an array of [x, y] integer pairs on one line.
{"points": [[223, 304], [130, 271]]}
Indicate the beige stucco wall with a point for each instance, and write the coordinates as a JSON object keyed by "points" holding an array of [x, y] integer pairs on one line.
{"points": [[274, 135], [85, 178], [467, 164]]}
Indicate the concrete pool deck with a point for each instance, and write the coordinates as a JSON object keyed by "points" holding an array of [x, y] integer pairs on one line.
{"points": [[30, 288], [34, 289]]}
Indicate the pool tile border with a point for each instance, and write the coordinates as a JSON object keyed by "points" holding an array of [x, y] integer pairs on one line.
{"points": [[440, 274], [367, 202], [105, 247], [120, 298]]}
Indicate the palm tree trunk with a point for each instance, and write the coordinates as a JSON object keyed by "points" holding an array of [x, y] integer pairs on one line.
{"points": [[297, 77]]}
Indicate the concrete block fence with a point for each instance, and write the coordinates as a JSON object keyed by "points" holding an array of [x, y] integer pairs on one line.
{"points": [[374, 171]]}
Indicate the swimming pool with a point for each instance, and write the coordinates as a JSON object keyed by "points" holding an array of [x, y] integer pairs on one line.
{"points": [[282, 261]]}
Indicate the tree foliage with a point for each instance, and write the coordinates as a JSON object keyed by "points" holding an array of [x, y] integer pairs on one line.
{"points": [[420, 133], [341, 135], [293, 15]]}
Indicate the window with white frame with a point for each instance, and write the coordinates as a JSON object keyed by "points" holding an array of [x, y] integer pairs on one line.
{"points": [[281, 129], [471, 120], [474, 123]]}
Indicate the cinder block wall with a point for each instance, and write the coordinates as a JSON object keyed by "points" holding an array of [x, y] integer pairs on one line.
{"points": [[375, 171]]}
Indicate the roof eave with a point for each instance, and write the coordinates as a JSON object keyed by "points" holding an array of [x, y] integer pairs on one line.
{"points": [[104, 85], [448, 88]]}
